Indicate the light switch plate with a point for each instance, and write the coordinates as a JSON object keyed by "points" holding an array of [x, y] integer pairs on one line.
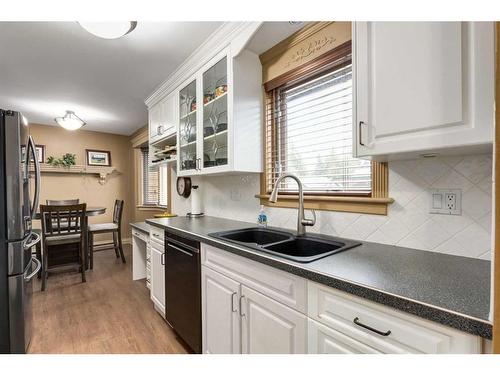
{"points": [[446, 201]]}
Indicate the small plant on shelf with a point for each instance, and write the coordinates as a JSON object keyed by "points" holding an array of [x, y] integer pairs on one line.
{"points": [[67, 160]]}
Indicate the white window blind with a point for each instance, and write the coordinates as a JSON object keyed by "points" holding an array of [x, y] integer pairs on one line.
{"points": [[154, 182], [309, 134]]}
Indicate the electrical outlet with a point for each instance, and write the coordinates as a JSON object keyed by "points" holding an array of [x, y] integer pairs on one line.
{"points": [[450, 200], [446, 202]]}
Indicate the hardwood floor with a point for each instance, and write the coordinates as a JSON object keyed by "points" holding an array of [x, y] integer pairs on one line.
{"points": [[109, 313]]}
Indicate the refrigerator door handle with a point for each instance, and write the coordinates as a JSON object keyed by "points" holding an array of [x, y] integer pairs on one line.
{"points": [[35, 271], [32, 240], [32, 149]]}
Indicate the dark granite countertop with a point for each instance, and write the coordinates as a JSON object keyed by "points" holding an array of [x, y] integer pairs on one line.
{"points": [[451, 290], [141, 225]]}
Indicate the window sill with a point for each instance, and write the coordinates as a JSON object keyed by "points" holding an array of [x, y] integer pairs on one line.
{"points": [[364, 205]]}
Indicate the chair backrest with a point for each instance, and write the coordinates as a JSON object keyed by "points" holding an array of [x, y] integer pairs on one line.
{"points": [[117, 212], [63, 220], [64, 202]]}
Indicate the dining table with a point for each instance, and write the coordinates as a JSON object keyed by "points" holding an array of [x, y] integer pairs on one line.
{"points": [[90, 211]]}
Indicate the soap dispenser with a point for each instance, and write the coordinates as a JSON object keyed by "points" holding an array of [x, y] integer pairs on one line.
{"points": [[262, 218]]}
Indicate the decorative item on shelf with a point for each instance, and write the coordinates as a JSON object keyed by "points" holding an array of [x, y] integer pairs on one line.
{"points": [[208, 96], [220, 87], [184, 186], [40, 153], [192, 104], [98, 157], [167, 153], [207, 162], [208, 131], [221, 161], [189, 164], [189, 132], [221, 124], [66, 160]]}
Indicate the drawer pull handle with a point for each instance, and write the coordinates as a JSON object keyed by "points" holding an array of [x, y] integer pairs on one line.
{"points": [[357, 322]]}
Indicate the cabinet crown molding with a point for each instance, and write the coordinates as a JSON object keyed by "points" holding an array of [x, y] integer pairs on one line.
{"points": [[236, 34]]}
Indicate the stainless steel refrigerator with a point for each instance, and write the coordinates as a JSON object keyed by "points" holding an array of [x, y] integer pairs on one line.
{"points": [[18, 165]]}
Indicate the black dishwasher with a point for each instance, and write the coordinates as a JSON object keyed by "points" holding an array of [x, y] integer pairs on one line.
{"points": [[183, 288]]}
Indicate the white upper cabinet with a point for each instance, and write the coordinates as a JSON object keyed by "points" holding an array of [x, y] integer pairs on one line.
{"points": [[162, 119], [422, 87], [220, 107]]}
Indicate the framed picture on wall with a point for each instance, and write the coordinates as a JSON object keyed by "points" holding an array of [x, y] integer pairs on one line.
{"points": [[98, 158], [40, 153]]}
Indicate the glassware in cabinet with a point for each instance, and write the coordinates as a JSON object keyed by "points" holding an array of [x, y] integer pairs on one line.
{"points": [[187, 127], [215, 115]]}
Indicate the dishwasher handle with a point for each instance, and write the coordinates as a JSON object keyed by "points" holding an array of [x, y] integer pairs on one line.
{"points": [[182, 245], [178, 248]]}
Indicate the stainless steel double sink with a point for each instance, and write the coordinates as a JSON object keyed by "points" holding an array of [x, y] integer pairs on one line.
{"points": [[302, 249]]}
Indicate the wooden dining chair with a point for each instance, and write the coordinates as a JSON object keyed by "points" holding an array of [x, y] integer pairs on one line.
{"points": [[63, 202], [114, 228], [63, 226]]}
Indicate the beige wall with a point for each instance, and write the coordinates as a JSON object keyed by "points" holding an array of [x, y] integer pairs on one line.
{"points": [[87, 188]]}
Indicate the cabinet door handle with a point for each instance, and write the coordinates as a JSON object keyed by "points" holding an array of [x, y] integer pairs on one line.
{"points": [[162, 259], [241, 303], [357, 322], [232, 302], [361, 123]]}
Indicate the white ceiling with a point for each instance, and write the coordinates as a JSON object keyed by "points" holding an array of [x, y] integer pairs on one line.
{"points": [[47, 68]]}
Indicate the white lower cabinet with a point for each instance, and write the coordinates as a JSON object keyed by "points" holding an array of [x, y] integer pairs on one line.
{"points": [[246, 306], [271, 327], [221, 318], [324, 340], [158, 278], [384, 329], [249, 307]]}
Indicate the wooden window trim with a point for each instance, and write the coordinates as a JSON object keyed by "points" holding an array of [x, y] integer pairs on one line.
{"points": [[375, 202], [138, 141]]}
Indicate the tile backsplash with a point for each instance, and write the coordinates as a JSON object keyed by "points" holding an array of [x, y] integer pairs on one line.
{"points": [[408, 222]]}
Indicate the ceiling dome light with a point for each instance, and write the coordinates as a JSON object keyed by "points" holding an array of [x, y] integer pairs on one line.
{"points": [[70, 121], [109, 30]]}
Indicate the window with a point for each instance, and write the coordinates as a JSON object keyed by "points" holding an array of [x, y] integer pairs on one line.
{"points": [[154, 182], [308, 132], [312, 136]]}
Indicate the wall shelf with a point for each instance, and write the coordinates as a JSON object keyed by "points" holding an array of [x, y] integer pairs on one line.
{"points": [[101, 172]]}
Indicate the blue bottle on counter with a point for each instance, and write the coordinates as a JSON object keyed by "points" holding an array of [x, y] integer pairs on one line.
{"points": [[262, 218]]}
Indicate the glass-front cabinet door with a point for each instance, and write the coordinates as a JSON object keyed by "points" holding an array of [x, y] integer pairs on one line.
{"points": [[188, 159], [215, 115]]}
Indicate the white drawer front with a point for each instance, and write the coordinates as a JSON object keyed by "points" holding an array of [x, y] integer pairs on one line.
{"points": [[281, 286], [324, 340], [409, 334], [139, 234], [156, 234]]}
